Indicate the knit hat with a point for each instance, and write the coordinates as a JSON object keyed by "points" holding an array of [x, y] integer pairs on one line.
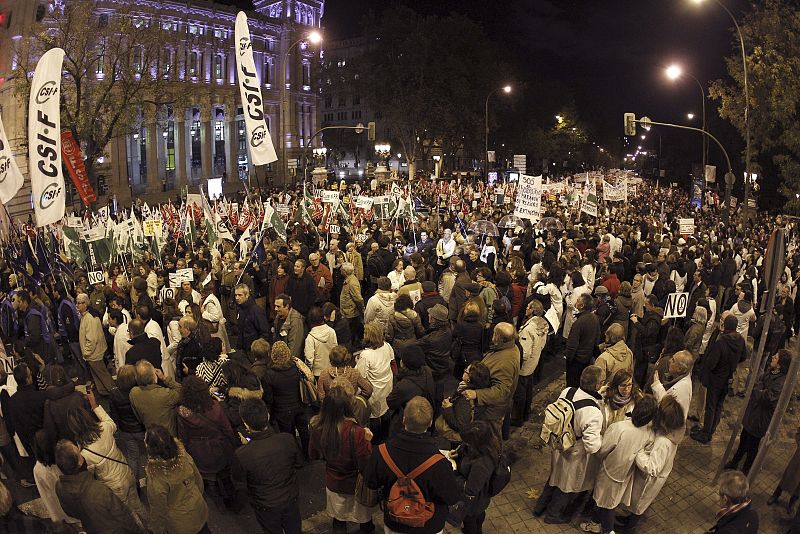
{"points": [[428, 286], [730, 323], [600, 290], [439, 313], [413, 357]]}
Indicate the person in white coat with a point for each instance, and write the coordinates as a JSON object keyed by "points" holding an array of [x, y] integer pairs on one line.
{"points": [[654, 463], [532, 339], [621, 442], [319, 342], [679, 383], [212, 313], [152, 329], [375, 364], [573, 470]]}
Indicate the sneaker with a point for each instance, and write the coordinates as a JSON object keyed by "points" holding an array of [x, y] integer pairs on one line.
{"points": [[591, 526]]}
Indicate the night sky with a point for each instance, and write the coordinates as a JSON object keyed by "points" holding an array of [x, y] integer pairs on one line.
{"points": [[607, 56]]}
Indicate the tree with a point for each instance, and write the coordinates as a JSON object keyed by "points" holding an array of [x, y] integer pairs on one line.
{"points": [[772, 35], [117, 67]]}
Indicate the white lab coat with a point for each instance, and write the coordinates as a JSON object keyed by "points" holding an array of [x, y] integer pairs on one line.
{"points": [[653, 466], [680, 390], [621, 442]]}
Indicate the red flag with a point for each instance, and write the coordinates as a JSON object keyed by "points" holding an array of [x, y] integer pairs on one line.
{"points": [[73, 159]]}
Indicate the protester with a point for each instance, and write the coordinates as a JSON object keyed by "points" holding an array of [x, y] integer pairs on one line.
{"points": [[735, 513]]}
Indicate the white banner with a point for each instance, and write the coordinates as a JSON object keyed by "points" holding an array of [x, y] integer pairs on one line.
{"points": [[686, 226], [711, 173], [615, 193], [589, 203], [259, 139], [363, 203], [11, 178], [529, 198], [44, 137], [330, 197]]}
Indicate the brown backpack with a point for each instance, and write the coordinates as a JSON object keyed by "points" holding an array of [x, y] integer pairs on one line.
{"points": [[406, 503]]}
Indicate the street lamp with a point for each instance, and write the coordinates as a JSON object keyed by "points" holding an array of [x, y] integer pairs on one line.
{"points": [[673, 73], [506, 89], [746, 106], [383, 151], [313, 37]]}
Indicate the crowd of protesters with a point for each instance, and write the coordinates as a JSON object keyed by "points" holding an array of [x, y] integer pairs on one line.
{"points": [[374, 348]]}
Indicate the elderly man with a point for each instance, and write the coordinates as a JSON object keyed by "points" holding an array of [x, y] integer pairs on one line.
{"points": [[736, 514], [459, 294], [93, 345], [678, 381], [503, 362], [351, 303], [572, 471], [189, 351], [289, 325], [153, 403], [323, 279], [142, 346], [153, 329], [616, 355]]}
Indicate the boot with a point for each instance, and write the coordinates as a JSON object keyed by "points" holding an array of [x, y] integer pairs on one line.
{"points": [[774, 497]]}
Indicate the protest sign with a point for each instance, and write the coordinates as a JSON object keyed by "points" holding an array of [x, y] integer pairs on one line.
{"points": [[528, 204]]}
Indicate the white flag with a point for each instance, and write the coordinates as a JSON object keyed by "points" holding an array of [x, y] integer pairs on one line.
{"points": [[10, 177], [259, 140], [44, 138]]}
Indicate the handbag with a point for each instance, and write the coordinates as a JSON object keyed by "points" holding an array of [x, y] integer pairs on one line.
{"points": [[363, 495], [308, 391]]}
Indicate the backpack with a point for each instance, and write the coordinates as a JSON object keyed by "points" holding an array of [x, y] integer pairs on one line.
{"points": [[558, 429], [501, 476], [406, 504]]}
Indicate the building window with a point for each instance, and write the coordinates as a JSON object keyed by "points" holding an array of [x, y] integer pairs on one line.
{"points": [[101, 58], [356, 100], [328, 102], [355, 114], [102, 20], [218, 67], [41, 10], [137, 60], [306, 73], [140, 22], [342, 101], [220, 33], [170, 25], [267, 72], [194, 29], [242, 136], [166, 64], [193, 64]]}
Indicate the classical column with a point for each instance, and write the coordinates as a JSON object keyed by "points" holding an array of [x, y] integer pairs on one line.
{"points": [[206, 140], [181, 149], [119, 183], [231, 141], [153, 140]]}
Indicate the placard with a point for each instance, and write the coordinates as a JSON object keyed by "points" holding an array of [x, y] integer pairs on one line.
{"points": [[686, 226], [676, 305], [283, 209], [364, 203], [334, 229], [361, 238], [529, 198], [166, 293], [96, 277], [185, 275], [330, 197], [153, 227]]}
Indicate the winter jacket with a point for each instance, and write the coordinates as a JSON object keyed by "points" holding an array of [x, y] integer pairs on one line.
{"points": [[758, 413], [411, 384], [319, 342], [617, 356], [144, 347], [98, 508], [469, 332], [572, 470], [113, 472], [60, 400], [463, 412], [375, 366], [380, 307], [403, 328], [721, 359], [251, 323], [323, 288], [428, 301], [208, 437], [292, 331], [351, 303], [122, 412], [474, 475], [269, 464], [360, 384], [436, 345], [532, 339], [743, 521], [188, 353], [437, 483], [303, 291], [155, 404], [503, 363], [282, 389], [694, 338], [92, 338], [248, 388], [458, 295], [26, 414], [342, 468], [175, 494], [583, 338]]}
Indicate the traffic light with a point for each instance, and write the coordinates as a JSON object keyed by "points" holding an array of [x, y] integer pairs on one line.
{"points": [[371, 131], [630, 124]]}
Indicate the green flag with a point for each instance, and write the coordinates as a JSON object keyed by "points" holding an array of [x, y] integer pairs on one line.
{"points": [[72, 245]]}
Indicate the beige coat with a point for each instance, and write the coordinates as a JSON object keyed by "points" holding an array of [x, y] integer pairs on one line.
{"points": [[617, 356], [621, 442], [653, 466], [574, 469], [114, 473], [351, 303], [92, 338]]}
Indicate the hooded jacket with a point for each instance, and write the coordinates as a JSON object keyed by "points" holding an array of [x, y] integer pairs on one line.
{"points": [[380, 307], [617, 356], [720, 360], [60, 400], [250, 387], [175, 494], [403, 327], [319, 342]]}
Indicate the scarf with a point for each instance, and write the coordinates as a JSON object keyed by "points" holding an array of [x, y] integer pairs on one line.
{"points": [[732, 509], [671, 381], [618, 401]]}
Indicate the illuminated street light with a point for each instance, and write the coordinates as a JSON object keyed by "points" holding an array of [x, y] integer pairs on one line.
{"points": [[644, 137], [506, 89], [690, 116], [315, 37], [674, 72]]}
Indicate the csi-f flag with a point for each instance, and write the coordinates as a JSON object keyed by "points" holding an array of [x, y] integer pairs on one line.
{"points": [[44, 138], [259, 140], [11, 178]]}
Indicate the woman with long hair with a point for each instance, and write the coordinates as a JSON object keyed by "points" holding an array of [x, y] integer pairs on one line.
{"points": [[94, 434], [174, 486], [345, 446], [282, 394], [476, 460], [207, 435], [46, 475]]}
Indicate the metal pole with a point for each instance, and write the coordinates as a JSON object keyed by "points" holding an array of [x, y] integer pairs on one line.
{"points": [[486, 137]]}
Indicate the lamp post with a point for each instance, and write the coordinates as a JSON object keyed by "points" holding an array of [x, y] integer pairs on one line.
{"points": [[383, 151], [746, 106], [506, 89], [673, 73], [315, 38]]}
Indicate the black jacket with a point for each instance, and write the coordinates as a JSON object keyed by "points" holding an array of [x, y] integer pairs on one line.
{"points": [[474, 474], [98, 508], [428, 301], [458, 295], [269, 465], [122, 412], [744, 521], [409, 384], [144, 347], [469, 332], [60, 400], [758, 413], [438, 484], [720, 360], [303, 291], [252, 322], [436, 345], [26, 416], [342, 329], [189, 353], [282, 389], [583, 338]]}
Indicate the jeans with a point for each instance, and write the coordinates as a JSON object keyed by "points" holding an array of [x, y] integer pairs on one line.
{"points": [[286, 520], [715, 399], [132, 446], [295, 419], [554, 501]]}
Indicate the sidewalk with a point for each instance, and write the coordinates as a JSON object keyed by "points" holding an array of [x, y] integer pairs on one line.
{"points": [[687, 503]]}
